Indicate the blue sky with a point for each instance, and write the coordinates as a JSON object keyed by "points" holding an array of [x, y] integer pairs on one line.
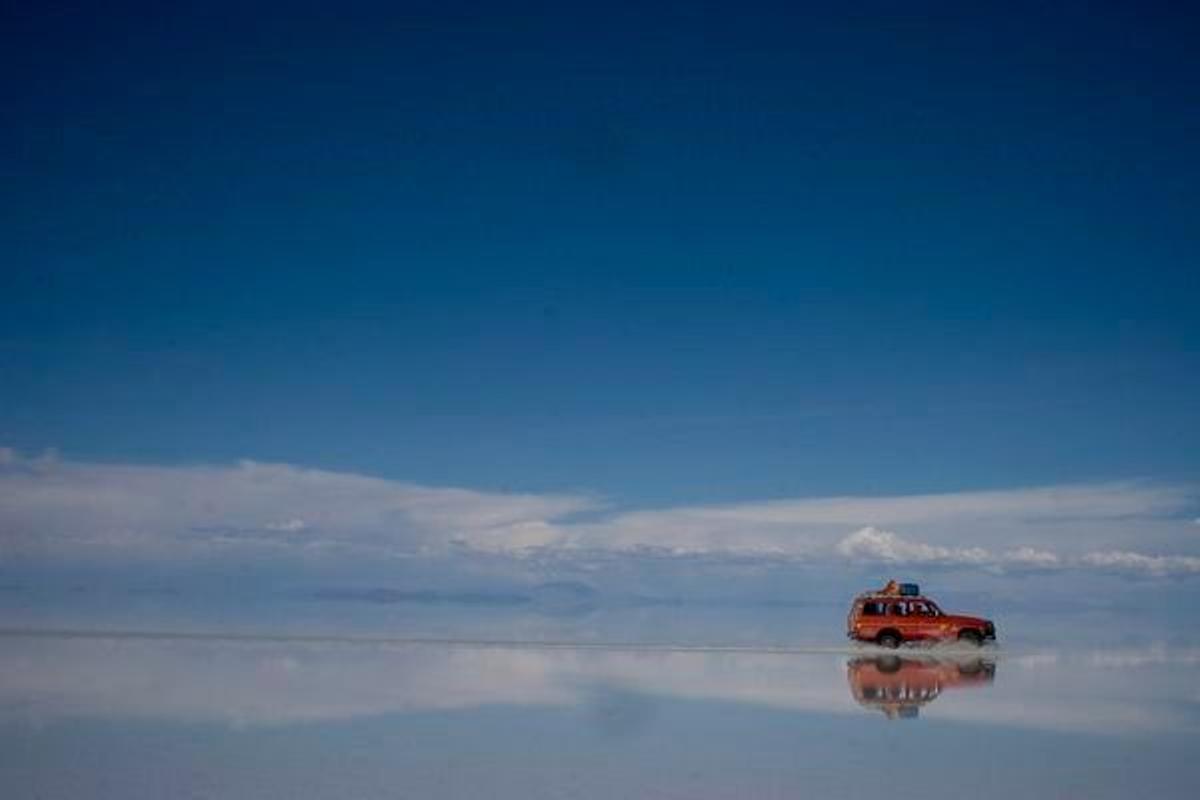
{"points": [[605, 262]]}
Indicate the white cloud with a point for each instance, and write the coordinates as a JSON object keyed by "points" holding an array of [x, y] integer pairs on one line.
{"points": [[51, 506], [878, 545], [287, 526], [873, 544], [1074, 518], [1126, 561], [1030, 557], [75, 508]]}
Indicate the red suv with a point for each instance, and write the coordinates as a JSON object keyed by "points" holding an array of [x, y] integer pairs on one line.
{"points": [[888, 618]]}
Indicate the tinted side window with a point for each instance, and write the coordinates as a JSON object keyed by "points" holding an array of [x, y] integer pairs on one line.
{"points": [[872, 609]]}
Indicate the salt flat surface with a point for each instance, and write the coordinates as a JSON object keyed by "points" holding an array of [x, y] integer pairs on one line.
{"points": [[137, 714]]}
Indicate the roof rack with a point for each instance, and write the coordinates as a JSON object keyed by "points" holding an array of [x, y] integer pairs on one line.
{"points": [[895, 589]]}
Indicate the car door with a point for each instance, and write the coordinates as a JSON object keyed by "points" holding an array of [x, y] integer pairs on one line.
{"points": [[922, 624], [869, 620], [905, 617], [897, 617]]}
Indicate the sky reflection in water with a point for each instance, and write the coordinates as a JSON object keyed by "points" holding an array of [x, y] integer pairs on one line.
{"points": [[134, 716]]}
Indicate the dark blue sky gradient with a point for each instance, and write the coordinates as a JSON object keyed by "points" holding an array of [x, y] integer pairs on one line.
{"points": [[685, 254]]}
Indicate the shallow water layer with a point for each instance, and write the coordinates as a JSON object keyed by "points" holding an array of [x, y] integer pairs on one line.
{"points": [[133, 716]]}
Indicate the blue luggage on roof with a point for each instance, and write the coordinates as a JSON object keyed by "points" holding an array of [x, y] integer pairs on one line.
{"points": [[909, 590]]}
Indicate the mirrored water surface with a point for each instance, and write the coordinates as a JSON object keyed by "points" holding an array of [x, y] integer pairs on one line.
{"points": [[157, 715]]}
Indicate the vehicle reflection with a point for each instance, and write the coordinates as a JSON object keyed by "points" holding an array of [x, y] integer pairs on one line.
{"points": [[898, 686]]}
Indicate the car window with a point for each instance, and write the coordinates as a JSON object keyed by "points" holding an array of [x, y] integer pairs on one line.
{"points": [[897, 610], [872, 609]]}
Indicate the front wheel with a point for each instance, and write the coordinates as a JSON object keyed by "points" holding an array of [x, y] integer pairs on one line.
{"points": [[889, 640], [971, 637]]}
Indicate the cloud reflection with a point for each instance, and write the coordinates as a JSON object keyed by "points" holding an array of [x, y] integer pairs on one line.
{"points": [[251, 682]]}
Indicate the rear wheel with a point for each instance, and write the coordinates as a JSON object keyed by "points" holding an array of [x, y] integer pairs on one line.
{"points": [[889, 640], [971, 637]]}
